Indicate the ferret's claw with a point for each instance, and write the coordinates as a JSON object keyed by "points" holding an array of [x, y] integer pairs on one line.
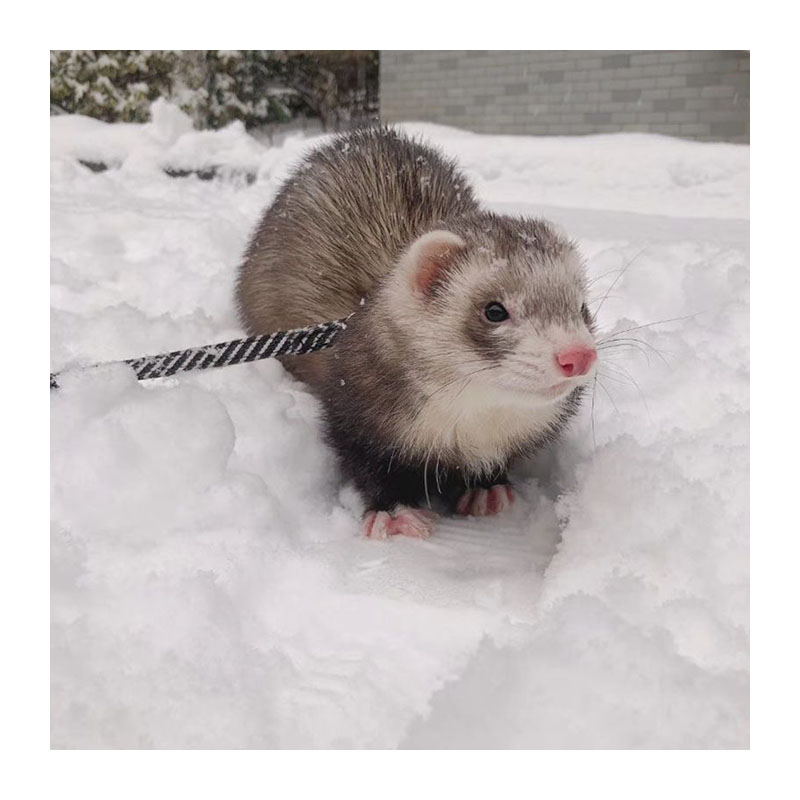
{"points": [[402, 521], [483, 502]]}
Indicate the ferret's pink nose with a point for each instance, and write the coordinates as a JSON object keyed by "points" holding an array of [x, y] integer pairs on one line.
{"points": [[576, 360]]}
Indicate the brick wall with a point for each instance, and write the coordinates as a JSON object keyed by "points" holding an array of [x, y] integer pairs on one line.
{"points": [[695, 94]]}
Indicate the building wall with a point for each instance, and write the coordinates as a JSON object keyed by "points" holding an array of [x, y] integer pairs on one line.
{"points": [[695, 94]]}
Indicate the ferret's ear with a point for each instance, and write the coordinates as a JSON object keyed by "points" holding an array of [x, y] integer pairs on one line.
{"points": [[426, 262]]}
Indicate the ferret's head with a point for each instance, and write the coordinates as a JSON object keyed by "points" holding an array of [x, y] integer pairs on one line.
{"points": [[500, 301]]}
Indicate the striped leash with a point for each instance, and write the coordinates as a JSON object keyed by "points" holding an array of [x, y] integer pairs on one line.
{"points": [[270, 345]]}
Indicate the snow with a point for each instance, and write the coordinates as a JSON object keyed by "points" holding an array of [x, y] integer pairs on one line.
{"points": [[210, 587]]}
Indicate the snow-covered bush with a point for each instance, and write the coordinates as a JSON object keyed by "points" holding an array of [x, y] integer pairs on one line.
{"points": [[216, 87], [112, 85]]}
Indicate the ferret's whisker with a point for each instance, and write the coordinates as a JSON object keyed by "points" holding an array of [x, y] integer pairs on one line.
{"points": [[619, 369], [602, 386], [651, 324], [608, 297], [594, 392], [624, 346], [591, 282], [425, 478], [615, 378], [615, 339], [638, 389], [639, 343], [615, 369], [616, 280]]}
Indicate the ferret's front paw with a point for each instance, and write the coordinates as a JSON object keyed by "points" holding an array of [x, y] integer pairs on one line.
{"points": [[402, 521], [482, 502]]}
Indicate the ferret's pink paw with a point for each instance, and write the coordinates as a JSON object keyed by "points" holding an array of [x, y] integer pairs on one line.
{"points": [[482, 502], [403, 521]]}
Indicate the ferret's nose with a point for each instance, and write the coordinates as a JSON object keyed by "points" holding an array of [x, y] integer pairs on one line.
{"points": [[576, 360]]}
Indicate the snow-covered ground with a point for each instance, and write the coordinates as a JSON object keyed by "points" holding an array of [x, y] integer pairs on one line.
{"points": [[210, 587]]}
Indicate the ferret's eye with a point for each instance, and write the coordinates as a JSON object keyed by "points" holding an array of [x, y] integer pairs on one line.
{"points": [[495, 312], [585, 313]]}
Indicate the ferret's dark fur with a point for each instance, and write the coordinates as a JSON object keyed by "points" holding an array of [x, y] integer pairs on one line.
{"points": [[328, 246]]}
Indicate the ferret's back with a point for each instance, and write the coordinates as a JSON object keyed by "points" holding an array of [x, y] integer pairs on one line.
{"points": [[339, 222]]}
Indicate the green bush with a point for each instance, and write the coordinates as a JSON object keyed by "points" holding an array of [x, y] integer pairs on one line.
{"points": [[109, 84], [216, 87]]}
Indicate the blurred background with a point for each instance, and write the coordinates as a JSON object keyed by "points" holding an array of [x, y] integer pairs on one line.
{"points": [[692, 94], [269, 91]]}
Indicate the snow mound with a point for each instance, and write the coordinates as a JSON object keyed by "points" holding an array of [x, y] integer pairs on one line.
{"points": [[641, 172], [210, 587], [167, 142]]}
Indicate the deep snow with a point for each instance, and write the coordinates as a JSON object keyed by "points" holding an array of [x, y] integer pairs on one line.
{"points": [[210, 587]]}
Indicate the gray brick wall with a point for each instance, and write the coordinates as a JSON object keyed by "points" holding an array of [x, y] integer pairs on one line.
{"points": [[694, 94]]}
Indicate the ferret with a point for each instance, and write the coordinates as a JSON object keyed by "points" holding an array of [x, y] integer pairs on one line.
{"points": [[470, 342]]}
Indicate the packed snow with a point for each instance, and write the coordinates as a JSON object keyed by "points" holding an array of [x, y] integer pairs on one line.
{"points": [[210, 584]]}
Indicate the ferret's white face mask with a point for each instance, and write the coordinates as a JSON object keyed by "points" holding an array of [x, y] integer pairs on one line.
{"points": [[516, 326]]}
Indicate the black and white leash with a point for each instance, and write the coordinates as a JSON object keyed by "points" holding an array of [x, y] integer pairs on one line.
{"points": [[270, 345]]}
